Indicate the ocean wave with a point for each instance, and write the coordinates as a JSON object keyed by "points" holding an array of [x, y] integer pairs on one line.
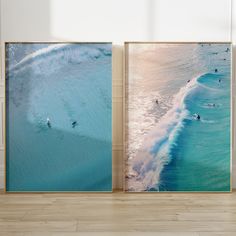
{"points": [[154, 154], [144, 113], [208, 121], [211, 105], [209, 88], [39, 52], [61, 54]]}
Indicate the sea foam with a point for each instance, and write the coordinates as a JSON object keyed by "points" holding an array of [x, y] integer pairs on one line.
{"points": [[61, 53], [154, 153]]}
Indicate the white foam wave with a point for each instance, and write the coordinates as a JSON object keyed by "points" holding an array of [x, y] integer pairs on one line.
{"points": [[209, 88], [63, 54], [208, 121], [150, 160], [37, 53], [144, 113]]}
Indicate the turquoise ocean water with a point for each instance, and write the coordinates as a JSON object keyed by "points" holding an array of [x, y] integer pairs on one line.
{"points": [[65, 83], [200, 154]]}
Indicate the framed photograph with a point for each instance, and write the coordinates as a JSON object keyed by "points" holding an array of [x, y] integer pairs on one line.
{"points": [[177, 109], [58, 117]]}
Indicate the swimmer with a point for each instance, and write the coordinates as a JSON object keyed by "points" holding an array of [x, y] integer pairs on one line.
{"points": [[74, 123], [48, 123]]}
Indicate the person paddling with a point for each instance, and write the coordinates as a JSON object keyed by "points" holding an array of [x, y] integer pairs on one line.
{"points": [[74, 123], [197, 116], [49, 123]]}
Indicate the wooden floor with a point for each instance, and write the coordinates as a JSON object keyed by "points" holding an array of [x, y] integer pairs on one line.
{"points": [[110, 214]]}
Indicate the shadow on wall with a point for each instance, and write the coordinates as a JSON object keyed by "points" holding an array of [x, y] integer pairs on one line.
{"points": [[32, 16], [152, 13]]}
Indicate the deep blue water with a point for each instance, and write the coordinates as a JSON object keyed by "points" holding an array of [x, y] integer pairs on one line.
{"points": [[65, 84]]}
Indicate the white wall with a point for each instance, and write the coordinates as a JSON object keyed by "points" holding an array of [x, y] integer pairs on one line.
{"points": [[116, 21]]}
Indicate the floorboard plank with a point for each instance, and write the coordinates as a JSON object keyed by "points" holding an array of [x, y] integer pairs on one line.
{"points": [[164, 214]]}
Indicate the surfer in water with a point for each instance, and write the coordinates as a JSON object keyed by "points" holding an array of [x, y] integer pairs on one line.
{"points": [[49, 123], [211, 104], [157, 102], [197, 116], [74, 123]]}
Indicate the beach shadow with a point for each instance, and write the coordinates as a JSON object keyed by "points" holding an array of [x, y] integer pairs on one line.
{"points": [[60, 161], [34, 23]]}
